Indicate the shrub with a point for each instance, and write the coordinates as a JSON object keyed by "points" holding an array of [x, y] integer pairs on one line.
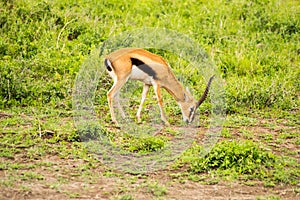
{"points": [[242, 157], [248, 159]]}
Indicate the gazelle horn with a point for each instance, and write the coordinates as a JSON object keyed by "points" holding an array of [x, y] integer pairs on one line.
{"points": [[205, 92]]}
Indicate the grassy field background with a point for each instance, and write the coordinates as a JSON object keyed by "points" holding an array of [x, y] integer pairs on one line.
{"points": [[254, 43]]}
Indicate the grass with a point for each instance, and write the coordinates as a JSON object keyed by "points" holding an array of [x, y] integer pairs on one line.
{"points": [[26, 153], [254, 44], [156, 190], [257, 43]]}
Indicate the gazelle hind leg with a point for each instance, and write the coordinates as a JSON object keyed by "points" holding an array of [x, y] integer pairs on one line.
{"points": [[160, 104], [144, 95], [117, 98]]}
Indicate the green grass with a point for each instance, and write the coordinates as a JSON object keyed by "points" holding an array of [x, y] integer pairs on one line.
{"points": [[156, 189], [144, 144], [256, 47], [254, 44]]}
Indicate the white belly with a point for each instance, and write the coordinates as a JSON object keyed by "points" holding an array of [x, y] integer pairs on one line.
{"points": [[137, 74]]}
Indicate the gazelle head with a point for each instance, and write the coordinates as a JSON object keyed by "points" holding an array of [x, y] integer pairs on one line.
{"points": [[190, 105]]}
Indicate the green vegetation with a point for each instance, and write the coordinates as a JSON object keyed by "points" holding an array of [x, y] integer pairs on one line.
{"points": [[242, 157], [254, 43], [143, 144], [256, 47], [246, 160]]}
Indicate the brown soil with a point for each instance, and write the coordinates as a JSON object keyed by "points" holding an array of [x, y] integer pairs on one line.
{"points": [[63, 180], [102, 187]]}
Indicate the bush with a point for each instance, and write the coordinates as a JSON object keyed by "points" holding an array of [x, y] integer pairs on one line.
{"points": [[245, 158], [242, 157]]}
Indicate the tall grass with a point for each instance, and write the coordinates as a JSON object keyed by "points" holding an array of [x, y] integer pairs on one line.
{"points": [[255, 44]]}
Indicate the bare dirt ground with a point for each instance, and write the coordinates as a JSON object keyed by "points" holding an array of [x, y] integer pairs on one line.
{"points": [[103, 187], [68, 178]]}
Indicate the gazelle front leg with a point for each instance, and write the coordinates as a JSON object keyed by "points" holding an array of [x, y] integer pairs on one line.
{"points": [[160, 104], [112, 94], [144, 95]]}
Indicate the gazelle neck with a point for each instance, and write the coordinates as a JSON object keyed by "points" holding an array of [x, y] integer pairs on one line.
{"points": [[176, 90]]}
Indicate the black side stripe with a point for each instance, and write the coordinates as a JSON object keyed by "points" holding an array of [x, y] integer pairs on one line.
{"points": [[136, 62], [144, 67]]}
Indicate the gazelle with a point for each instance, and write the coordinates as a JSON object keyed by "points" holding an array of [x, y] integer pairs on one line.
{"points": [[151, 69]]}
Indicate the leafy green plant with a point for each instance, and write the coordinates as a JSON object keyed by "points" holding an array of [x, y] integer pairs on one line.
{"points": [[143, 144], [245, 158]]}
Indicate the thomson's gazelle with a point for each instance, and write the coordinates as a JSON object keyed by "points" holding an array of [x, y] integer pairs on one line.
{"points": [[151, 69]]}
